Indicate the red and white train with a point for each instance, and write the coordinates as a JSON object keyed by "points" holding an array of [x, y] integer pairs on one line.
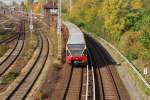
{"points": [[76, 50]]}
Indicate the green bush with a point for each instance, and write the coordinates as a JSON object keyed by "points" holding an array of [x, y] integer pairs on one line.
{"points": [[81, 24], [3, 49], [145, 40], [132, 56], [8, 78]]}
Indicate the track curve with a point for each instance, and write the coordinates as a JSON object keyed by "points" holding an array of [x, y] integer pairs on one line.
{"points": [[12, 54], [35, 67]]}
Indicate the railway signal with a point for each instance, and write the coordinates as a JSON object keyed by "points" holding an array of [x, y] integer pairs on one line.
{"points": [[31, 24], [145, 71], [31, 19]]}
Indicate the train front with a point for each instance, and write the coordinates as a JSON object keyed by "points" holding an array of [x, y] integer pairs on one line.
{"points": [[76, 54]]}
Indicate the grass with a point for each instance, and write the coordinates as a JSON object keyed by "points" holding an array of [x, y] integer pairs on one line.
{"points": [[8, 78], [53, 37], [52, 34], [30, 46], [3, 49], [3, 37], [131, 56]]}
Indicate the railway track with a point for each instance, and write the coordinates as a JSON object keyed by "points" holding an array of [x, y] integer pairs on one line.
{"points": [[26, 80], [11, 55], [106, 82], [78, 84], [70, 86], [74, 85], [9, 39], [105, 75]]}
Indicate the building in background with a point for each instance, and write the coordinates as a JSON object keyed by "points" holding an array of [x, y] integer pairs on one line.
{"points": [[51, 13]]}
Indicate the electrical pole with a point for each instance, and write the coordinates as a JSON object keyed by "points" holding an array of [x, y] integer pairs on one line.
{"points": [[31, 23], [20, 15], [31, 20], [59, 29]]}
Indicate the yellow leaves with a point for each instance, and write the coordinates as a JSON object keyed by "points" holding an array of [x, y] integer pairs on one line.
{"points": [[136, 4], [111, 6], [84, 11], [90, 14], [109, 21], [37, 7]]}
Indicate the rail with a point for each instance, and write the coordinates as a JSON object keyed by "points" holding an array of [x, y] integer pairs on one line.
{"points": [[94, 91], [93, 80], [76, 87], [107, 76], [9, 39], [87, 84]]}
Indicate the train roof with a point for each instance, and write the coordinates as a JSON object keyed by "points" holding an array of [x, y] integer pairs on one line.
{"points": [[75, 34]]}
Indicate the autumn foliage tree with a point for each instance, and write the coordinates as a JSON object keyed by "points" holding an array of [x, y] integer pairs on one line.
{"points": [[84, 13], [37, 6], [114, 12]]}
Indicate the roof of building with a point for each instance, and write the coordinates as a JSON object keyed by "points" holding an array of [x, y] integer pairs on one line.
{"points": [[51, 5], [75, 34]]}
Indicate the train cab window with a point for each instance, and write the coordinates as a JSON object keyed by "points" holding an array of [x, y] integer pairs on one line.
{"points": [[76, 49], [76, 52]]}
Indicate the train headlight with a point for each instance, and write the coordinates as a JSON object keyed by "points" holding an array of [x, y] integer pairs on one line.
{"points": [[76, 58]]}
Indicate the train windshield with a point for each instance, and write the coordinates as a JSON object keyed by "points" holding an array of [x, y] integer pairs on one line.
{"points": [[76, 49], [76, 52]]}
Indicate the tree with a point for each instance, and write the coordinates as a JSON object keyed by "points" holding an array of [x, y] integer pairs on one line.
{"points": [[114, 12], [37, 6], [84, 12]]}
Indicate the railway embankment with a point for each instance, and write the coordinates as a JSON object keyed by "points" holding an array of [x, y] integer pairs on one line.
{"points": [[136, 88]]}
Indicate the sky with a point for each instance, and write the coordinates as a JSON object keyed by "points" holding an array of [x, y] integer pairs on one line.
{"points": [[9, 1]]}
